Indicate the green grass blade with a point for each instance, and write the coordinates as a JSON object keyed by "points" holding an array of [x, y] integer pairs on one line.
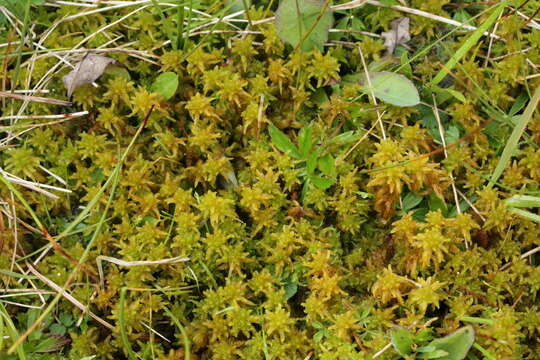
{"points": [[525, 214], [468, 44], [523, 201], [166, 24], [512, 143], [185, 339], [487, 354], [7, 324], [17, 276], [477, 320], [122, 324], [21, 44], [180, 16]]}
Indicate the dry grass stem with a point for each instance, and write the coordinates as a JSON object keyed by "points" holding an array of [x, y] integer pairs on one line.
{"points": [[155, 332], [40, 99], [374, 99], [121, 262], [68, 296]]}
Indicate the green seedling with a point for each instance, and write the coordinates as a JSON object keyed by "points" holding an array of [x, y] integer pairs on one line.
{"points": [[322, 332], [317, 163]]}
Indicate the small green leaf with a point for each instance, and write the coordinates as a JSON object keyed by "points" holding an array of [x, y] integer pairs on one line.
{"points": [[305, 141], [410, 201], [319, 97], [457, 344], [392, 88], [290, 289], [118, 71], [66, 319], [519, 104], [451, 135], [321, 183], [327, 165], [423, 336], [345, 138], [318, 336], [57, 329], [317, 325], [436, 203], [402, 340], [457, 94], [311, 164], [166, 84], [305, 21], [49, 344], [406, 64], [282, 142], [447, 93]]}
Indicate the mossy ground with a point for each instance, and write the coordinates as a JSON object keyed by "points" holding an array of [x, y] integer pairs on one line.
{"points": [[277, 270]]}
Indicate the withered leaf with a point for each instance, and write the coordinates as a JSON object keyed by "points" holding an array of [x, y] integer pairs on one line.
{"points": [[86, 71], [398, 35]]}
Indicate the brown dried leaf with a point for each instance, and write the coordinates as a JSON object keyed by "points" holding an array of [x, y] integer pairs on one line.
{"points": [[87, 71], [398, 35]]}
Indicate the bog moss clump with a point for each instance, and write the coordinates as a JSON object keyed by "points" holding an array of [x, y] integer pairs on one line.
{"points": [[318, 254]]}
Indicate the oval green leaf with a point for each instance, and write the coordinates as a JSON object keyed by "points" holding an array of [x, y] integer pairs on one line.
{"points": [[392, 88], [304, 21], [166, 84], [402, 340], [457, 344]]}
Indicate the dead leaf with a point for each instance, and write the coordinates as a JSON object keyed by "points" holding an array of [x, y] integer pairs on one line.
{"points": [[87, 71], [398, 35]]}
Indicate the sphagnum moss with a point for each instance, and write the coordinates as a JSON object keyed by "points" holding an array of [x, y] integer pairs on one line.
{"points": [[278, 271]]}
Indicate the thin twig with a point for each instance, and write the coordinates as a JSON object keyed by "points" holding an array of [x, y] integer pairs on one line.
{"points": [[523, 256], [121, 262], [476, 211], [366, 71], [34, 98], [488, 55], [68, 296], [443, 141]]}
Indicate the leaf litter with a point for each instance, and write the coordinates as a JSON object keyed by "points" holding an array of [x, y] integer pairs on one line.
{"points": [[88, 70], [398, 35]]}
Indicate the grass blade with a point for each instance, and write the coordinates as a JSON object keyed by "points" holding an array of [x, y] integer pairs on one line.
{"points": [[6, 323], [123, 334], [468, 44], [512, 143]]}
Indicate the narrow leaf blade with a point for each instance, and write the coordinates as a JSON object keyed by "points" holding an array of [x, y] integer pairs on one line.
{"points": [[282, 142]]}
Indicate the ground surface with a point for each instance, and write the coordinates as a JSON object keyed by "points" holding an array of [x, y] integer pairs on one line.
{"points": [[240, 191]]}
